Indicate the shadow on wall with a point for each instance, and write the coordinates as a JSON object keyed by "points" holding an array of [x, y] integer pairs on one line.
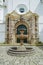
{"points": [[41, 36], [39, 9]]}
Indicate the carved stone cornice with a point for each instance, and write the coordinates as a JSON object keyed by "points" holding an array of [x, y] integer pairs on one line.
{"points": [[28, 16]]}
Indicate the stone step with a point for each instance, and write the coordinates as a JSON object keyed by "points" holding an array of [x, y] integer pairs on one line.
{"points": [[19, 53]]}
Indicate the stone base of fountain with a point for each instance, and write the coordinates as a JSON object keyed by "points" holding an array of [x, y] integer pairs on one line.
{"points": [[20, 50]]}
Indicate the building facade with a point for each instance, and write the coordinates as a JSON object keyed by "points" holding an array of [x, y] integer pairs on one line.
{"points": [[23, 20]]}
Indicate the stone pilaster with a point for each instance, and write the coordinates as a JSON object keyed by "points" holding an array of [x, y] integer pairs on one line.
{"points": [[7, 30]]}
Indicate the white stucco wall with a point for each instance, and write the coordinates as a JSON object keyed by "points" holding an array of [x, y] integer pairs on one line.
{"points": [[12, 4]]}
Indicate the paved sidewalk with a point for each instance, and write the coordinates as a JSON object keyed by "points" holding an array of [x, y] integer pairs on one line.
{"points": [[35, 58]]}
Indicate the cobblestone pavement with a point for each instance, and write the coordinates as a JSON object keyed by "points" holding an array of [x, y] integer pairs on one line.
{"points": [[35, 58]]}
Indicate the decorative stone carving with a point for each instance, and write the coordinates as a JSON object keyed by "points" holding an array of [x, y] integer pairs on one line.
{"points": [[29, 20]]}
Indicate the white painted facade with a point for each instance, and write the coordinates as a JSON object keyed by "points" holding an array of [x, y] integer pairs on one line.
{"points": [[35, 6]]}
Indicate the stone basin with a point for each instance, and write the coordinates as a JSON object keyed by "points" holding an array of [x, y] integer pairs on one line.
{"points": [[15, 51]]}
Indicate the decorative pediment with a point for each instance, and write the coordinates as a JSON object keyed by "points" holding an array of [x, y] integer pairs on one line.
{"points": [[15, 16], [30, 15]]}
